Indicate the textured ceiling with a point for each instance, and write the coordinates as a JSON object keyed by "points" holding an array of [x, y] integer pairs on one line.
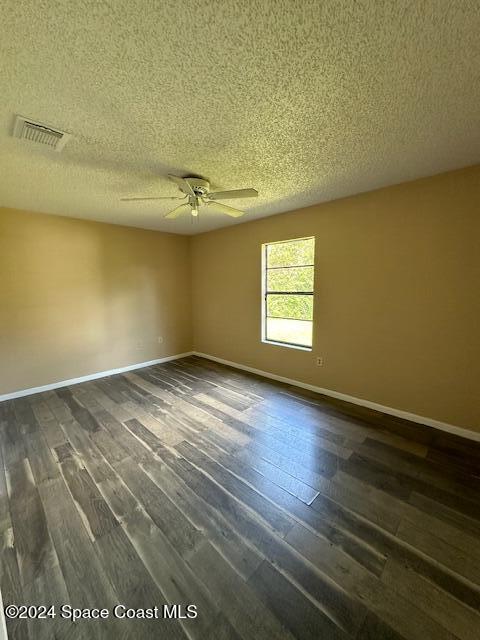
{"points": [[304, 100]]}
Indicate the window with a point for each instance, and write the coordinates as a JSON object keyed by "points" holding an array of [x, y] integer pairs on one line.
{"points": [[287, 286]]}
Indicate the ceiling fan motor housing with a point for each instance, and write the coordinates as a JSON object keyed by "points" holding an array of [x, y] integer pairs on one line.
{"points": [[200, 187]]}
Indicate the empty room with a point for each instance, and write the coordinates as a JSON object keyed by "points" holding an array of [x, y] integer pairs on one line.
{"points": [[240, 320]]}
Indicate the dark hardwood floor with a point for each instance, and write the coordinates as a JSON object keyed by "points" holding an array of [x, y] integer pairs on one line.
{"points": [[278, 513]]}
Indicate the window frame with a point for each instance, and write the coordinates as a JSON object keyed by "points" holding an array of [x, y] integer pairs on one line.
{"points": [[266, 292]]}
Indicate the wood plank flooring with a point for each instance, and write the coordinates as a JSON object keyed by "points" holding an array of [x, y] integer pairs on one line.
{"points": [[280, 514]]}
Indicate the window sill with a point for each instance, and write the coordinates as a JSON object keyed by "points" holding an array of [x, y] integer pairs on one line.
{"points": [[285, 344]]}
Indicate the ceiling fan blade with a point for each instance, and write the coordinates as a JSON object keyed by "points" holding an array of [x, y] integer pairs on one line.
{"points": [[230, 211], [183, 208], [235, 193], [151, 198], [182, 185]]}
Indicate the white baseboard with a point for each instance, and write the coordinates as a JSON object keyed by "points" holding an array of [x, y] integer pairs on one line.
{"points": [[91, 376], [399, 413]]}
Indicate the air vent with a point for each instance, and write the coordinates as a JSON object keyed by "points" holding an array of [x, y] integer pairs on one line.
{"points": [[39, 133]]}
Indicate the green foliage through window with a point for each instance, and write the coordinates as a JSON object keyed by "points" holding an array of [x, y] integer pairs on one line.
{"points": [[291, 253], [291, 307], [288, 289], [290, 279]]}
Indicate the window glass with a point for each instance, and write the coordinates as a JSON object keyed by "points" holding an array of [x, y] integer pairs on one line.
{"points": [[288, 280]]}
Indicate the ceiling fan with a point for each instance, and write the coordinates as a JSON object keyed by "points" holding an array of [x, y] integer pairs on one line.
{"points": [[197, 193]]}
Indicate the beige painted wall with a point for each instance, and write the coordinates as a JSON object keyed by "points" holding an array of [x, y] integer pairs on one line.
{"points": [[397, 302], [78, 297], [397, 307]]}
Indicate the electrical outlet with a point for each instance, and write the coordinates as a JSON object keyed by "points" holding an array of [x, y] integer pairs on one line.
{"points": [[320, 361], [160, 339]]}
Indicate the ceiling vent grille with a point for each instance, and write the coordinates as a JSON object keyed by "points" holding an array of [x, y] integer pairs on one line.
{"points": [[28, 129]]}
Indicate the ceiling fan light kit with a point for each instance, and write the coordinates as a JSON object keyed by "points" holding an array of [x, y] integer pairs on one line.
{"points": [[197, 193]]}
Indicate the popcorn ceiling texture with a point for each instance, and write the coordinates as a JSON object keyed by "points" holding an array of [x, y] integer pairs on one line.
{"points": [[305, 100]]}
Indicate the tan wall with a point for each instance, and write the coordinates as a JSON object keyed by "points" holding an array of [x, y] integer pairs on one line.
{"points": [[397, 307], [78, 297], [397, 302]]}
